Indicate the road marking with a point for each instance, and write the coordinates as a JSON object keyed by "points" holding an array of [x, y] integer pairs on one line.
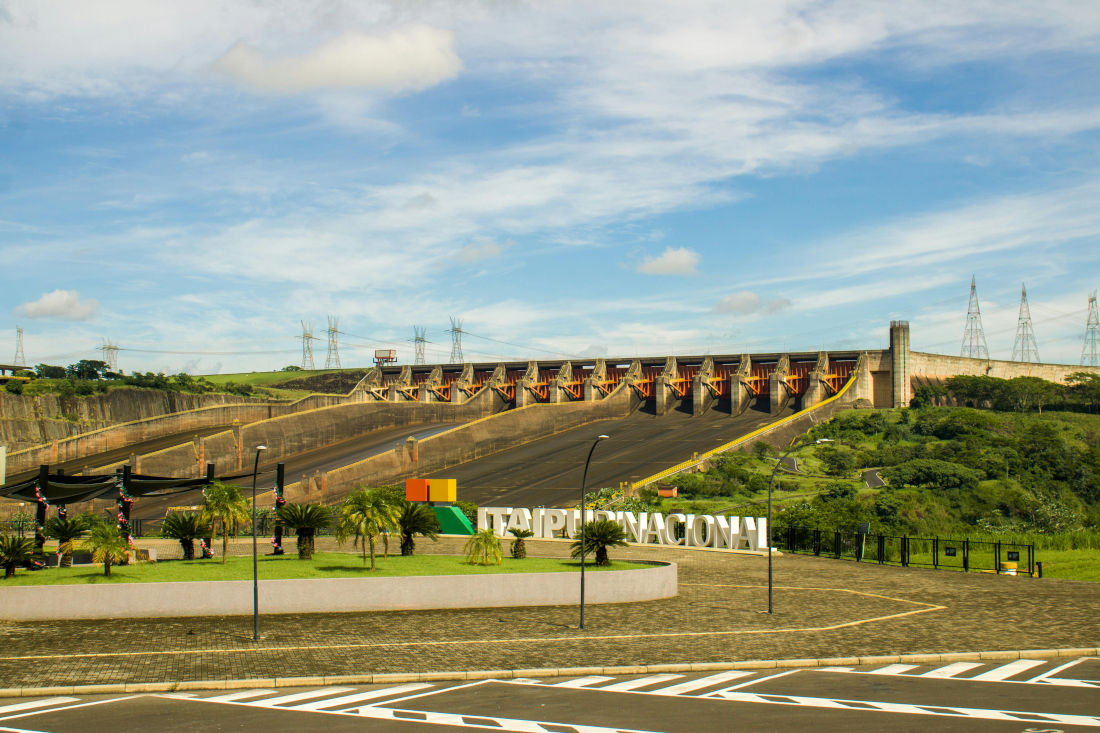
{"points": [[1005, 671], [890, 707], [36, 704], [894, 669], [307, 695], [359, 697], [654, 679], [702, 682], [756, 681], [239, 695], [485, 721], [950, 670], [583, 681], [1045, 676], [70, 707]]}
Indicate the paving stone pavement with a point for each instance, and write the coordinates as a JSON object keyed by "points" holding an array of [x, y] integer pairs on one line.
{"points": [[823, 608]]}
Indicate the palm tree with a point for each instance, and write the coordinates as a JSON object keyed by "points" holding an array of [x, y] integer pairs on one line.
{"points": [[598, 536], [66, 531], [107, 545], [415, 519], [305, 520], [483, 548], [186, 528], [14, 551], [519, 547], [225, 504], [364, 515]]}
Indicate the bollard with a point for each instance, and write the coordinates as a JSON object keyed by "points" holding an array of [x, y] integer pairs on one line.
{"points": [[1039, 568]]}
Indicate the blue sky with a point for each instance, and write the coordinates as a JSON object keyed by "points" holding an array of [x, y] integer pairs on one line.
{"points": [[571, 178]]}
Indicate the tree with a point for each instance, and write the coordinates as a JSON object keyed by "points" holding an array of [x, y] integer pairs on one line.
{"points": [[599, 535], [14, 551], [107, 545], [519, 547], [305, 520], [364, 516], [483, 548], [186, 528], [224, 504], [928, 472], [415, 519], [48, 371], [837, 462], [86, 369], [66, 531]]}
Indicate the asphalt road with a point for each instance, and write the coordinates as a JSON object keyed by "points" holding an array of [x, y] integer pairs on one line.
{"points": [[1020, 696], [121, 454], [547, 472], [301, 464]]}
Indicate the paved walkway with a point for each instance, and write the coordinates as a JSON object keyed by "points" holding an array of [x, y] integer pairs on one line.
{"points": [[824, 608]]}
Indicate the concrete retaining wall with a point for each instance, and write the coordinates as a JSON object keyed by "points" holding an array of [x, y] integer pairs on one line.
{"points": [[333, 595], [924, 367], [465, 443]]}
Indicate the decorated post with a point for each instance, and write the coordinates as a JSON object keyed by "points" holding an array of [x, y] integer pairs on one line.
{"points": [[280, 502]]}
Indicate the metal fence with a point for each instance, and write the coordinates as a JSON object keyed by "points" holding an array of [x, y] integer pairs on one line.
{"points": [[938, 553]]}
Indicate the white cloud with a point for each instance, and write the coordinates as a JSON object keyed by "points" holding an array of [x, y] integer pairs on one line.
{"points": [[412, 58], [62, 304], [746, 302], [476, 252], [673, 261]]}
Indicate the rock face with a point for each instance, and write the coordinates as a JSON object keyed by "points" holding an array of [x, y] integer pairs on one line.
{"points": [[29, 421]]}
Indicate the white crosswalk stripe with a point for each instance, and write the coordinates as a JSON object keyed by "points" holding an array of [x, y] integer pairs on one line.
{"points": [[701, 683], [345, 703], [1007, 670], [583, 681], [296, 697], [951, 670], [34, 704], [634, 684], [894, 669]]}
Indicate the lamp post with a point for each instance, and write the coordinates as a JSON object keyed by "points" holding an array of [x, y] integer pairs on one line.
{"points": [[255, 560], [771, 480], [584, 482]]}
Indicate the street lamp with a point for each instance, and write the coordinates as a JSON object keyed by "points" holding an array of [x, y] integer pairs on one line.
{"points": [[771, 480], [584, 482], [255, 561]]}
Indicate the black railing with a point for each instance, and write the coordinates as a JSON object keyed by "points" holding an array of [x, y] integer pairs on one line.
{"points": [[938, 553]]}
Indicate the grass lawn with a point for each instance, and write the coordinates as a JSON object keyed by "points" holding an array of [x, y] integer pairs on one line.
{"points": [[323, 565], [1070, 564]]}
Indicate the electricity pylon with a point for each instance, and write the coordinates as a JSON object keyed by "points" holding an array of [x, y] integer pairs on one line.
{"points": [[307, 346], [332, 358], [1090, 353], [420, 339], [456, 340], [110, 354], [973, 344], [19, 359], [1025, 348]]}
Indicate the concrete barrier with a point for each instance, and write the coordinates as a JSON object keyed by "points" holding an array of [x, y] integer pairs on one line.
{"points": [[333, 595]]}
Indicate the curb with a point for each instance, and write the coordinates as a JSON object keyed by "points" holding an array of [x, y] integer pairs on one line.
{"points": [[507, 674]]}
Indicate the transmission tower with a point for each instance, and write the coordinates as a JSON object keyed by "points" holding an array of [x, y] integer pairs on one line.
{"points": [[307, 346], [1090, 353], [19, 359], [110, 354], [332, 358], [420, 332], [974, 344], [456, 340], [1025, 348]]}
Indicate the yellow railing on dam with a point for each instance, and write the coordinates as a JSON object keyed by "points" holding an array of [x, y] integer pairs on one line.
{"points": [[691, 463]]}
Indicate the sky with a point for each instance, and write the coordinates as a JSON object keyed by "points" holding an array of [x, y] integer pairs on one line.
{"points": [[193, 181]]}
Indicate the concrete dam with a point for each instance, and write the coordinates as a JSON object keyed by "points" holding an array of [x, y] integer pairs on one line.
{"points": [[515, 432]]}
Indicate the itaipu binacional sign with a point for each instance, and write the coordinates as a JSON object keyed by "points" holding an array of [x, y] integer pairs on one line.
{"points": [[692, 530]]}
